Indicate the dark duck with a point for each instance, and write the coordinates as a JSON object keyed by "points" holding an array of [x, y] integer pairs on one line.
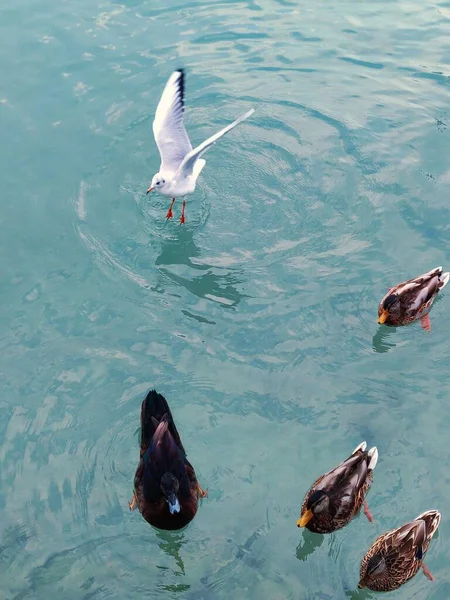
{"points": [[166, 489]]}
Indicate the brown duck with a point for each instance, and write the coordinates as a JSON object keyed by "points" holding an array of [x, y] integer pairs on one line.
{"points": [[411, 300], [166, 489], [396, 556], [336, 497]]}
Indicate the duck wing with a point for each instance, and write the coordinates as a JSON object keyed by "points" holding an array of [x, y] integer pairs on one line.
{"points": [[420, 290], [403, 546], [345, 482], [163, 455]]}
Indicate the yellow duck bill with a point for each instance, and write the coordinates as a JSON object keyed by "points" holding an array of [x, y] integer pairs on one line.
{"points": [[383, 317], [305, 519]]}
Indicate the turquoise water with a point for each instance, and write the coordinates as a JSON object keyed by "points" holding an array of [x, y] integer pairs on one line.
{"points": [[257, 319]]}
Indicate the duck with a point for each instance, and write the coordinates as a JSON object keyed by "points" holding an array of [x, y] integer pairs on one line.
{"points": [[166, 488], [337, 496], [411, 300], [396, 556]]}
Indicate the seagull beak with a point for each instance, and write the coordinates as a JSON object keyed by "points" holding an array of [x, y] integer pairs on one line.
{"points": [[150, 189]]}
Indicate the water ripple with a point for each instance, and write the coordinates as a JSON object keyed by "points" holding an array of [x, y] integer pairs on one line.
{"points": [[257, 319]]}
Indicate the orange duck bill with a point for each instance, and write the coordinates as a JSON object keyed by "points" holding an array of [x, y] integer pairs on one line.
{"points": [[305, 518], [383, 316]]}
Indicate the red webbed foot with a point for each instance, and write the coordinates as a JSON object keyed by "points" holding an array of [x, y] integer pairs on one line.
{"points": [[426, 323], [367, 511]]}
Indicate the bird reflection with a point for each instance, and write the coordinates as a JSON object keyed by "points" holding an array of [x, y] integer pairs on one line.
{"points": [[202, 280], [359, 594], [171, 543], [311, 541], [380, 342]]}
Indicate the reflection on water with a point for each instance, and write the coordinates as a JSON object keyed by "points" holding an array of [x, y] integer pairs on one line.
{"points": [[339, 182], [245, 552], [380, 341], [14, 541], [171, 543], [359, 594], [311, 541], [218, 284], [239, 557]]}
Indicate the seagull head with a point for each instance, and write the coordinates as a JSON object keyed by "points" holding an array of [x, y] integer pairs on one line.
{"points": [[158, 182]]}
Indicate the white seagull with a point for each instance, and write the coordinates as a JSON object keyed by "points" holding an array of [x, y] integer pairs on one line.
{"points": [[180, 164]]}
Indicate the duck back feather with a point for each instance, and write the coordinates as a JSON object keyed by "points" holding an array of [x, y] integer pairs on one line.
{"points": [[153, 409]]}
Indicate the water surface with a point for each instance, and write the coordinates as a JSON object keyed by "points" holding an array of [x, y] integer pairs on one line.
{"points": [[257, 319]]}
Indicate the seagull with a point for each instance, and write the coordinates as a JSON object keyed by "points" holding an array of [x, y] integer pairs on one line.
{"points": [[180, 164]]}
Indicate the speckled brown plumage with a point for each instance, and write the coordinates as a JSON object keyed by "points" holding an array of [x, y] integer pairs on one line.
{"points": [[397, 555], [161, 452], [411, 300], [346, 487]]}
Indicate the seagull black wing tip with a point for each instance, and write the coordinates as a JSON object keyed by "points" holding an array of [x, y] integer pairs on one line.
{"points": [[181, 84]]}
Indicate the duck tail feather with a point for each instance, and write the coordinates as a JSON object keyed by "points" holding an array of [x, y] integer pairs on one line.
{"points": [[362, 446], [154, 410], [444, 279], [432, 519], [373, 454]]}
